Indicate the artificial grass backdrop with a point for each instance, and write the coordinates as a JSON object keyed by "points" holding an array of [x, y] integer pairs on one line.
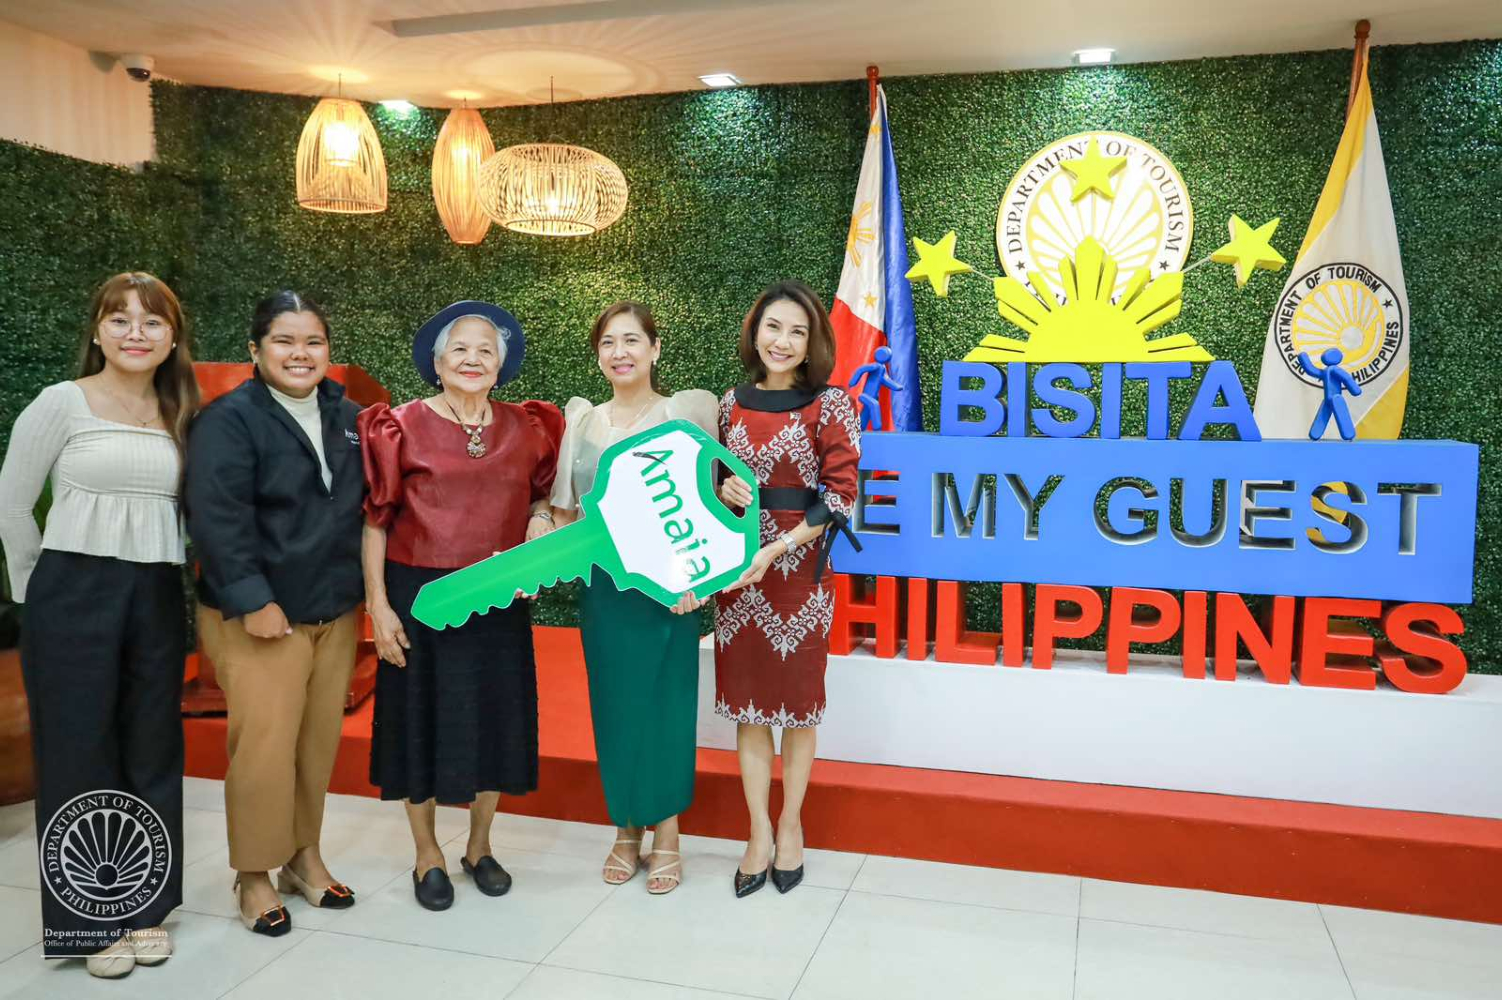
{"points": [[733, 189]]}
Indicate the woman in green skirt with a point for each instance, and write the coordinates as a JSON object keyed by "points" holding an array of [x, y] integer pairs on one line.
{"points": [[642, 658]]}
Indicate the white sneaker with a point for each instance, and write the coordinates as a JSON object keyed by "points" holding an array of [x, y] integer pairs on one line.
{"points": [[152, 946], [115, 961]]}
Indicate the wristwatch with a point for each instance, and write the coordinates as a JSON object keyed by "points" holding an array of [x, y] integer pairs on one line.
{"points": [[787, 541]]}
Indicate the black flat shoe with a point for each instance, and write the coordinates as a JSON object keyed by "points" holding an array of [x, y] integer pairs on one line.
{"points": [[490, 878], [434, 890], [745, 884], [786, 880]]}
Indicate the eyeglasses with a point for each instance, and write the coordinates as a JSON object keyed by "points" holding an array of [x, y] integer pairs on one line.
{"points": [[152, 327]]}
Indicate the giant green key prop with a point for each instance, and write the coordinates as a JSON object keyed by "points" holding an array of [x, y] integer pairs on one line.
{"points": [[652, 522]]}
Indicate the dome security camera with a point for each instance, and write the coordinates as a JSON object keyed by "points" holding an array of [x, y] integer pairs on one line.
{"points": [[137, 66]]}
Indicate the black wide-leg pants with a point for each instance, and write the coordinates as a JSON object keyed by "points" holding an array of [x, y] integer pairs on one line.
{"points": [[102, 646]]}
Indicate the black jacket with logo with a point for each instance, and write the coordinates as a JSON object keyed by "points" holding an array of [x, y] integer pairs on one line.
{"points": [[263, 526]]}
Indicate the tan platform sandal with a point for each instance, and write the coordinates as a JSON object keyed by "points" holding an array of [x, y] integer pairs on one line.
{"points": [[672, 870], [619, 863]]}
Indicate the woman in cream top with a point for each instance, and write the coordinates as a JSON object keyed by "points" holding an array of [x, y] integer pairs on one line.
{"points": [[642, 658], [592, 429], [103, 637], [114, 487]]}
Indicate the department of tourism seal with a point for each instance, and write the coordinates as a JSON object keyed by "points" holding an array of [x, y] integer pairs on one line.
{"points": [[105, 855], [1342, 305], [1146, 221]]}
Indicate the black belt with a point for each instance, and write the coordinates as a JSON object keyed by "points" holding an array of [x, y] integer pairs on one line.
{"points": [[816, 512], [787, 497]]}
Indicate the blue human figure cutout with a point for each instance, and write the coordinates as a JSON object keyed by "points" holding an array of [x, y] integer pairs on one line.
{"points": [[1336, 380], [870, 398]]}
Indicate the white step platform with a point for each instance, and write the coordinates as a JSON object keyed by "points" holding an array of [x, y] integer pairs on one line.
{"points": [[1154, 728]]}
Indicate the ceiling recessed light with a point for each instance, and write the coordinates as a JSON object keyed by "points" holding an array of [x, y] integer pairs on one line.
{"points": [[1093, 57], [399, 107], [720, 80]]}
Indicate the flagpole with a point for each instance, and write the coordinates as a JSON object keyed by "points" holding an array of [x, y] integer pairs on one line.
{"points": [[873, 77], [1358, 61]]}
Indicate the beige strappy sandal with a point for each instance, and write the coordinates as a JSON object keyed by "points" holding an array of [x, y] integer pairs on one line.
{"points": [[615, 863], [672, 870]]}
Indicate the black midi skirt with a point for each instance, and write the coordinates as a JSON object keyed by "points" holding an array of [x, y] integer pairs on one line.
{"points": [[461, 717]]}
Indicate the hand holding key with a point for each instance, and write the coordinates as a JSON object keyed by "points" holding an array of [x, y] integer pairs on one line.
{"points": [[652, 522], [736, 492]]}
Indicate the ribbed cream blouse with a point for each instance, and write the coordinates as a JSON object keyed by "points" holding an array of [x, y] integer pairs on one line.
{"points": [[114, 487]]}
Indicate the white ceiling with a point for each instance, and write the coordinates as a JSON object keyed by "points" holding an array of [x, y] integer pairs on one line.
{"points": [[512, 47]]}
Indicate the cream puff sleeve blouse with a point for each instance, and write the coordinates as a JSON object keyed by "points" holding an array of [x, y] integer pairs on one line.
{"points": [[114, 487], [589, 433]]}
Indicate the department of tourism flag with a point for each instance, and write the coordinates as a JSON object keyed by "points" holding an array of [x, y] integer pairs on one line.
{"points": [[874, 304], [1345, 290]]}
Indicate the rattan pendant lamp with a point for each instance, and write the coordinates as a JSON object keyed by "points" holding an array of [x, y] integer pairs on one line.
{"points": [[552, 189], [463, 145], [340, 167]]}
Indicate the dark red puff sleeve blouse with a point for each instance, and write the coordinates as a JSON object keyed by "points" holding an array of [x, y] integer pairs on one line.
{"points": [[441, 508]]}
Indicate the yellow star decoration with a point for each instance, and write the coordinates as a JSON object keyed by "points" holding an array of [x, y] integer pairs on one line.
{"points": [[1089, 327], [858, 233], [1249, 249], [937, 263], [1092, 172]]}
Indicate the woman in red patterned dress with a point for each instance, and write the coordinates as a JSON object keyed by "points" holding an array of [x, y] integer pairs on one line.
{"points": [[801, 438]]}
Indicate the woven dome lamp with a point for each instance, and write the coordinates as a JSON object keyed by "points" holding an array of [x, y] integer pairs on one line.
{"points": [[340, 167], [552, 189], [463, 145]]}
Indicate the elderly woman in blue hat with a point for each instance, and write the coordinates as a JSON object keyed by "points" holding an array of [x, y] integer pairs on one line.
{"points": [[455, 478]]}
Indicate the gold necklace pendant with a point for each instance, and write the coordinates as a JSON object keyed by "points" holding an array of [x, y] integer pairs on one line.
{"points": [[476, 447]]}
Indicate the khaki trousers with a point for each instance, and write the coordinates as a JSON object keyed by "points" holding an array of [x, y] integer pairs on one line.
{"points": [[286, 706]]}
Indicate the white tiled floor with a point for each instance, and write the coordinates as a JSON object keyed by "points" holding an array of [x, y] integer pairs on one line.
{"points": [[860, 927]]}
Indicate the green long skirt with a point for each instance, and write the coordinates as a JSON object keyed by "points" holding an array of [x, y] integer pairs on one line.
{"points": [[643, 664]]}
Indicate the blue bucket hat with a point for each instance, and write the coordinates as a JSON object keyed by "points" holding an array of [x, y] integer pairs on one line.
{"points": [[514, 341]]}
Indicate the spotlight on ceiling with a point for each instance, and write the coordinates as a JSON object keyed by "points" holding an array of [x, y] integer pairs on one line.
{"points": [[1093, 57], [720, 80], [399, 107]]}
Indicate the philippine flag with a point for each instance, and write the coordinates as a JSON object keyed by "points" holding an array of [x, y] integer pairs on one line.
{"points": [[874, 304]]}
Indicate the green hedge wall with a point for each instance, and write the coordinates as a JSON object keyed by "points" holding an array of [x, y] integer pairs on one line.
{"points": [[732, 189]]}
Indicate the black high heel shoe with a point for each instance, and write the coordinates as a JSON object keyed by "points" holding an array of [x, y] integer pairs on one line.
{"points": [[745, 884], [785, 881]]}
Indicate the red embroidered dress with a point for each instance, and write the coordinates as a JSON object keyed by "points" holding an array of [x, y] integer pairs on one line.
{"points": [[772, 638]]}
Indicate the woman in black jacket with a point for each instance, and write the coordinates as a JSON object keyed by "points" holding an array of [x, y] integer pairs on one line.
{"points": [[273, 497]]}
